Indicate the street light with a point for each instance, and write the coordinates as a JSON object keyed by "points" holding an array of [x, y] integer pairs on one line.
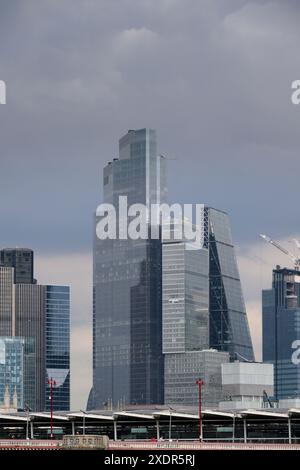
{"points": [[83, 421], [27, 409], [200, 383]]}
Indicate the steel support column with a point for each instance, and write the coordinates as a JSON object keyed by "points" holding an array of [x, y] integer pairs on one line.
{"points": [[290, 429], [157, 430], [245, 430], [115, 431]]}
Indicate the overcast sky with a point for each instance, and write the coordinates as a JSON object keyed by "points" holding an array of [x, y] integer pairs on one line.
{"points": [[212, 76]]}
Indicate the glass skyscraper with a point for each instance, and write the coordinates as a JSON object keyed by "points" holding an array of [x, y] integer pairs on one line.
{"points": [[229, 329], [185, 284], [127, 327], [58, 346], [186, 319], [128, 321], [281, 331]]}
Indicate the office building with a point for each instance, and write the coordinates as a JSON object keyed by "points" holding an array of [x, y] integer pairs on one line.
{"points": [[228, 323], [185, 287], [203, 308], [11, 372], [40, 315], [185, 300], [127, 326], [182, 370], [281, 331], [21, 259], [58, 346], [30, 325], [7, 301]]}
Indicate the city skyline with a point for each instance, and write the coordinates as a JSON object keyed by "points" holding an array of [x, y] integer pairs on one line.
{"points": [[219, 98]]}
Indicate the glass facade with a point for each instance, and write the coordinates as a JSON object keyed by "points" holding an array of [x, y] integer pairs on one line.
{"points": [[185, 298], [281, 331], [57, 300], [127, 330], [12, 370], [229, 329]]}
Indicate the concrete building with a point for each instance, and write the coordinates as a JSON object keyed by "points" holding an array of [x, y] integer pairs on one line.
{"points": [[183, 369], [246, 385]]}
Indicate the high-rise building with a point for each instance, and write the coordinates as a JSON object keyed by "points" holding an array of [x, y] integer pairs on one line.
{"points": [[127, 327], [185, 300], [30, 325], [185, 287], [209, 281], [12, 358], [41, 316], [21, 259], [228, 323], [281, 331], [58, 346], [7, 301]]}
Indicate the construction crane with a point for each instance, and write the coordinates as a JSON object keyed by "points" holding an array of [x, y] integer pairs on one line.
{"points": [[295, 260], [297, 243]]}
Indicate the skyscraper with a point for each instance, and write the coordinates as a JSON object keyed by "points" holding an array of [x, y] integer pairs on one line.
{"points": [[7, 301], [58, 346], [281, 331], [127, 329], [229, 329], [185, 287], [30, 325], [21, 259], [41, 316], [185, 302]]}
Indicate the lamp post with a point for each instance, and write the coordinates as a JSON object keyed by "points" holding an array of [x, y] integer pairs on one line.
{"points": [[52, 384], [27, 409], [200, 383]]}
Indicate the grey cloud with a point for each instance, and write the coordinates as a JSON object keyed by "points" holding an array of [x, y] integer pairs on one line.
{"points": [[213, 77]]}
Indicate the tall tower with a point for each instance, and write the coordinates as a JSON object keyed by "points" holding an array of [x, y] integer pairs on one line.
{"points": [[229, 329], [57, 344], [281, 332], [127, 330]]}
